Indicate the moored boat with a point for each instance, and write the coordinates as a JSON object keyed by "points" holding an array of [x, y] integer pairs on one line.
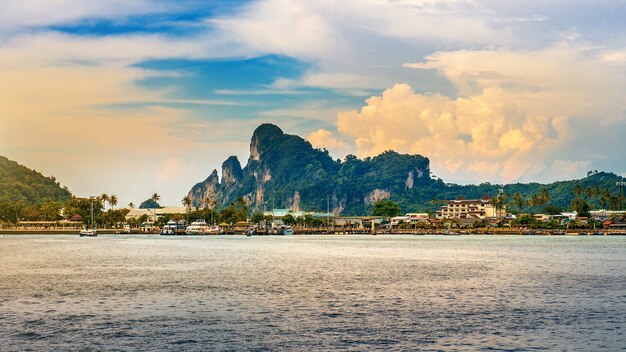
{"points": [[169, 229], [181, 227], [198, 227], [87, 232]]}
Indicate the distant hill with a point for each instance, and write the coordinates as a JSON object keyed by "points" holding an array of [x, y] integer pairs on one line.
{"points": [[285, 171], [150, 204], [18, 182]]}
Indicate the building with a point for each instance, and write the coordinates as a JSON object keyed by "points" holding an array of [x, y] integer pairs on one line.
{"points": [[155, 214], [409, 218], [470, 209]]}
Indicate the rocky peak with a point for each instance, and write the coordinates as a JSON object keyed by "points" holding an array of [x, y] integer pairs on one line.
{"points": [[231, 171], [206, 193], [263, 136]]}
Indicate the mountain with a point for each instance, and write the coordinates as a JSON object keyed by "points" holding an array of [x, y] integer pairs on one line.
{"points": [[285, 171], [18, 182]]}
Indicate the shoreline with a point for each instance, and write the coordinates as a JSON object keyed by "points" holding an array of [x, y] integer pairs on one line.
{"points": [[337, 232]]}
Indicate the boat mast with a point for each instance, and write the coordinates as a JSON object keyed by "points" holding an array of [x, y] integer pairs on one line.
{"points": [[91, 211]]}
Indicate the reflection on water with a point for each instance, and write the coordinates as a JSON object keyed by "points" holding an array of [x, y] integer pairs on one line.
{"points": [[312, 293]]}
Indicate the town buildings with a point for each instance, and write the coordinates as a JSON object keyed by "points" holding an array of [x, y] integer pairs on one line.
{"points": [[470, 209]]}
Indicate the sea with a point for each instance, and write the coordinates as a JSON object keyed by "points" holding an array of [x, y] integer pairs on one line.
{"points": [[312, 293]]}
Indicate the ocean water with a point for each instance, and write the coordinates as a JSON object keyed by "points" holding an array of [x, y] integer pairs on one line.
{"points": [[308, 293]]}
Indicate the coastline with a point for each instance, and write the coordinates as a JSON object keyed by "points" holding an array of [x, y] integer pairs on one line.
{"points": [[304, 232]]}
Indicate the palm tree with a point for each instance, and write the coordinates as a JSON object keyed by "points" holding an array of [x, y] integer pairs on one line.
{"points": [[578, 191], [186, 201], [104, 198], [113, 200], [131, 205], [535, 200], [519, 201], [498, 203], [155, 197], [544, 196]]}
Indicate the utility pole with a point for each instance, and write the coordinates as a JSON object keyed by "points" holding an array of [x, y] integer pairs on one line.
{"points": [[327, 211]]}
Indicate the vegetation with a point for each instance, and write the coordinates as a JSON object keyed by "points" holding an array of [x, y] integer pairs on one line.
{"points": [[19, 183], [285, 167], [150, 204], [386, 207]]}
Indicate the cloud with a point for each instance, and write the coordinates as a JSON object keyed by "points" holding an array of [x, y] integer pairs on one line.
{"points": [[325, 139], [346, 40], [512, 120], [560, 80], [483, 137], [19, 14]]}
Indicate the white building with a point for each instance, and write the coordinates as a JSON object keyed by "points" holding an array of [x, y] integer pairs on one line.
{"points": [[469, 209], [154, 214]]}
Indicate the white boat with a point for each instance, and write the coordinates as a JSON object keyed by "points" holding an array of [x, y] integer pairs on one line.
{"points": [[286, 230], [87, 232], [282, 230], [169, 229], [198, 227], [181, 227], [214, 230]]}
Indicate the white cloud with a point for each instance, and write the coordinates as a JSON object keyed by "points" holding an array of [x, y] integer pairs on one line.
{"points": [[325, 139], [19, 14], [512, 119], [482, 137]]}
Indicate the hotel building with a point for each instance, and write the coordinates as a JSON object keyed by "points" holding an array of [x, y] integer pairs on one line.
{"points": [[469, 208]]}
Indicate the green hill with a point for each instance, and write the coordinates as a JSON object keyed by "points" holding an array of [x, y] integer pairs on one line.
{"points": [[18, 182], [285, 171]]}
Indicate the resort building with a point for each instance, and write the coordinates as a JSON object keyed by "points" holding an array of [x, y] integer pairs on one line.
{"points": [[469, 209], [156, 213]]}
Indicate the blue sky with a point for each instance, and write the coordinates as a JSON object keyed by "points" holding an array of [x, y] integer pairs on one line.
{"points": [[155, 94]]}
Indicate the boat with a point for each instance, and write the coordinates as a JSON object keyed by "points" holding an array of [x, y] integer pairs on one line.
{"points": [[251, 231], [213, 230], [198, 227], [169, 229], [282, 230], [287, 230], [89, 232], [148, 227], [181, 226]]}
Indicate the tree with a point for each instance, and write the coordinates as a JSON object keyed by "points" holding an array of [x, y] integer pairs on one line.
{"points": [[104, 198], [498, 203], [581, 207], [552, 210], [544, 196], [113, 200], [156, 197], [131, 205], [518, 201], [186, 202], [578, 191], [386, 207], [257, 217], [289, 219]]}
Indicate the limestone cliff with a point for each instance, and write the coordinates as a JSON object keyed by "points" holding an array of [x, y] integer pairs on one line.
{"points": [[285, 171]]}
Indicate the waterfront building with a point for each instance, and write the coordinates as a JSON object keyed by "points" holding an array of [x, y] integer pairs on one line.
{"points": [[156, 213], [469, 209]]}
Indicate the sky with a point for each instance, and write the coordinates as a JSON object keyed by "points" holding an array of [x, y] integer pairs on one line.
{"points": [[149, 96]]}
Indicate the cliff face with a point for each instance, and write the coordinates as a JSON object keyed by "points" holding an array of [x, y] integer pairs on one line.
{"points": [[206, 193], [285, 171]]}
